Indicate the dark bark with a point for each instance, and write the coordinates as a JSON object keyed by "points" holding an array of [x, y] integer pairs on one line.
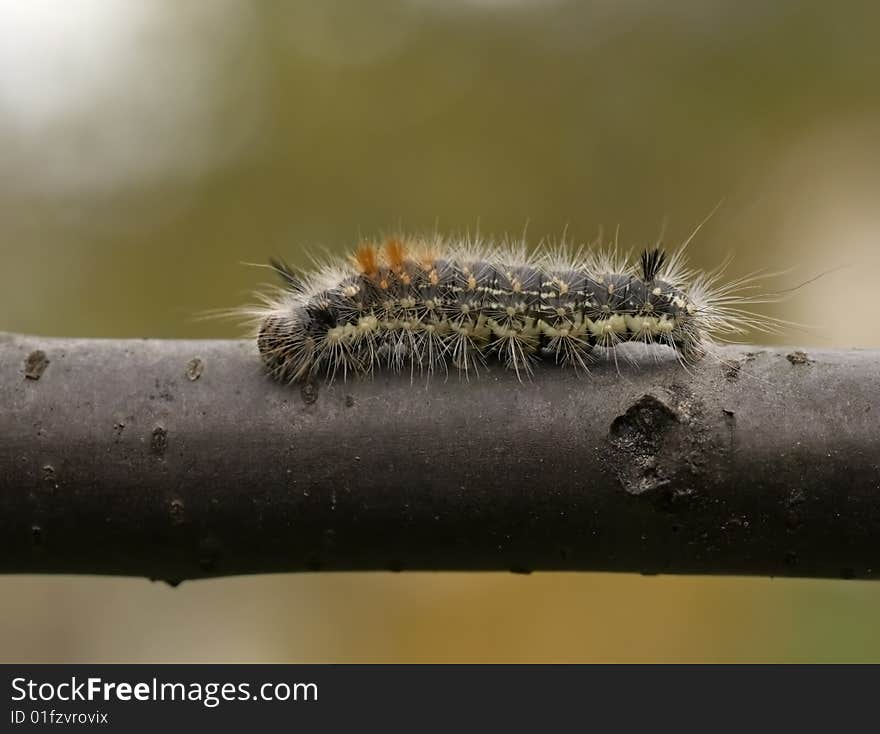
{"points": [[179, 459]]}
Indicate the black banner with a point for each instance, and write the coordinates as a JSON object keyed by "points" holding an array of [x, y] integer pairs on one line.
{"points": [[220, 698]]}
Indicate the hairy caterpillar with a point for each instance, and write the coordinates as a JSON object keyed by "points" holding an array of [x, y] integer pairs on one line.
{"points": [[420, 305]]}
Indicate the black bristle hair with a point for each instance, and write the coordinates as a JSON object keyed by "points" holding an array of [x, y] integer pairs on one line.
{"points": [[652, 261], [286, 273]]}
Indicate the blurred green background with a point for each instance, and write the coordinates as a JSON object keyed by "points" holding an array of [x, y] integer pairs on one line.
{"points": [[149, 147]]}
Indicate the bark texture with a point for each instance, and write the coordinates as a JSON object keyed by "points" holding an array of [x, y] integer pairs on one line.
{"points": [[180, 459]]}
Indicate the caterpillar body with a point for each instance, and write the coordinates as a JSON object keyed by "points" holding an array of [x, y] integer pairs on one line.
{"points": [[427, 305]]}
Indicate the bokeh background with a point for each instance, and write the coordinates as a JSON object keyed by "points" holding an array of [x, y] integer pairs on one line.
{"points": [[149, 147]]}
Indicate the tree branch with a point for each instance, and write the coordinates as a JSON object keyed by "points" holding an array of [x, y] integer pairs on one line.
{"points": [[179, 459]]}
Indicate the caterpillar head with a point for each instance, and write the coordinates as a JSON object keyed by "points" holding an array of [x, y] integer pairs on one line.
{"points": [[291, 344]]}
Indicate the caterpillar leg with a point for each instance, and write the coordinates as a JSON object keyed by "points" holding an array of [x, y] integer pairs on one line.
{"points": [[691, 349]]}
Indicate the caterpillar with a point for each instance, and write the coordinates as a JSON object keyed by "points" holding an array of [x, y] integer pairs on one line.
{"points": [[428, 304]]}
